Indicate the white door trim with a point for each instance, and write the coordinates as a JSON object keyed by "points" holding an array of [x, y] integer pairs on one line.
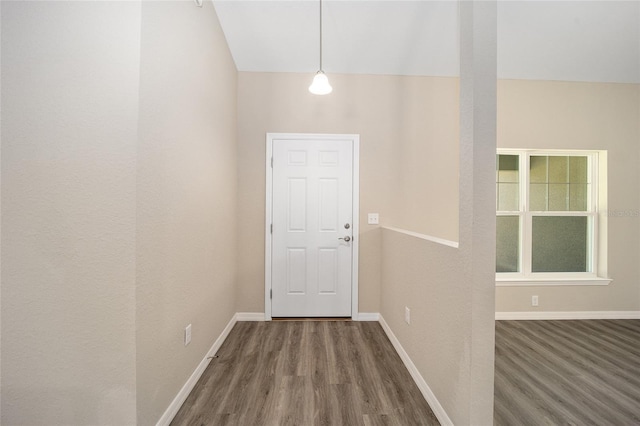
{"points": [[269, 213]]}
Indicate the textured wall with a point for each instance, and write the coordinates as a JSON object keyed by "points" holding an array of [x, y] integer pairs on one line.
{"points": [[389, 113], [450, 291], [119, 191], [69, 128], [186, 188], [427, 278], [596, 116]]}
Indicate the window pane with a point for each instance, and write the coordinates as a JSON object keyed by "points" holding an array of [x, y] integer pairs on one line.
{"points": [[537, 169], [558, 183], [578, 197], [558, 197], [508, 197], [558, 169], [507, 178], [579, 179], [508, 243], [559, 244], [578, 170], [538, 197], [508, 167]]}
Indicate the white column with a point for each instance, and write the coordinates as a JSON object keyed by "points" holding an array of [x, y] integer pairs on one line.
{"points": [[477, 194]]}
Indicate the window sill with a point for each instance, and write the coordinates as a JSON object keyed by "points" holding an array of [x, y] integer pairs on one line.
{"points": [[532, 282]]}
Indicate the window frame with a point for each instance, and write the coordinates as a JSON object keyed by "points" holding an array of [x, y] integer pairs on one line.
{"points": [[596, 207]]}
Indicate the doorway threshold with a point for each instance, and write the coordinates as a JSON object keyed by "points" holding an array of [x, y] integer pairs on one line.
{"points": [[311, 319]]}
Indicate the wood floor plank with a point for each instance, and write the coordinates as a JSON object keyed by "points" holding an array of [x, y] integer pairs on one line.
{"points": [[366, 378], [606, 376], [338, 353], [345, 405], [393, 378], [583, 372], [324, 373], [586, 390], [527, 389]]}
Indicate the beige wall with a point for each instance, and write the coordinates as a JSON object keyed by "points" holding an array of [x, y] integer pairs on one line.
{"points": [[428, 278], [428, 148], [389, 113], [450, 290], [119, 194], [186, 216], [596, 116], [69, 127]]}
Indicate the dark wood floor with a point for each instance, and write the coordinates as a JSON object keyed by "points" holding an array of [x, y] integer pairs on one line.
{"points": [[567, 372], [303, 373]]}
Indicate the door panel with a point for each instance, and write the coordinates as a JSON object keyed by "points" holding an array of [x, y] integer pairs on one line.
{"points": [[327, 268], [312, 200], [297, 200]]}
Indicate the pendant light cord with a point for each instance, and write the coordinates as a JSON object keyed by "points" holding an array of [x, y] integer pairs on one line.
{"points": [[320, 84], [321, 36]]}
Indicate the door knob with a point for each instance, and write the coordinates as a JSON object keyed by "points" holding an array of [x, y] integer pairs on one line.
{"points": [[346, 239]]}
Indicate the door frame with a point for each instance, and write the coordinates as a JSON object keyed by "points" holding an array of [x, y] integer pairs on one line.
{"points": [[355, 140]]}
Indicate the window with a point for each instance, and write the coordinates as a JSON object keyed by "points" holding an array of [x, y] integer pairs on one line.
{"points": [[547, 217]]}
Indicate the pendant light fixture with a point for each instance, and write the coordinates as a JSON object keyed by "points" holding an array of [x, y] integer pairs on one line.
{"points": [[320, 84]]}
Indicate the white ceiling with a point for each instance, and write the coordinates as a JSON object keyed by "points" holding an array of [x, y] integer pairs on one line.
{"points": [[575, 40]]}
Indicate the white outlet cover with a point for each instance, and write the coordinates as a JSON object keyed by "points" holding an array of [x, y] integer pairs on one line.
{"points": [[373, 218], [187, 335]]}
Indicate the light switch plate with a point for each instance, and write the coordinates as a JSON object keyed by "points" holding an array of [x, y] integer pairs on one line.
{"points": [[373, 219], [187, 335]]}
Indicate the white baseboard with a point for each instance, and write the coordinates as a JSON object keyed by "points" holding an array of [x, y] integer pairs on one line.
{"points": [[250, 316], [177, 402], [259, 316], [428, 394], [570, 315], [367, 316]]}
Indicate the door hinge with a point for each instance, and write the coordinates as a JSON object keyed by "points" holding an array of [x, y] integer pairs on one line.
{"points": [[272, 162], [270, 293], [272, 228]]}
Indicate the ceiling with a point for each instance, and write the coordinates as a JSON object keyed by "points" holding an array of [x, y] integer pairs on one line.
{"points": [[575, 40]]}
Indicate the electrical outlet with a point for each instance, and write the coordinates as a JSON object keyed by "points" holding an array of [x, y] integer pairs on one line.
{"points": [[407, 315], [534, 300], [187, 335], [373, 219]]}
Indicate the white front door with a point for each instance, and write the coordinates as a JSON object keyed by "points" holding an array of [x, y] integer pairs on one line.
{"points": [[312, 238]]}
